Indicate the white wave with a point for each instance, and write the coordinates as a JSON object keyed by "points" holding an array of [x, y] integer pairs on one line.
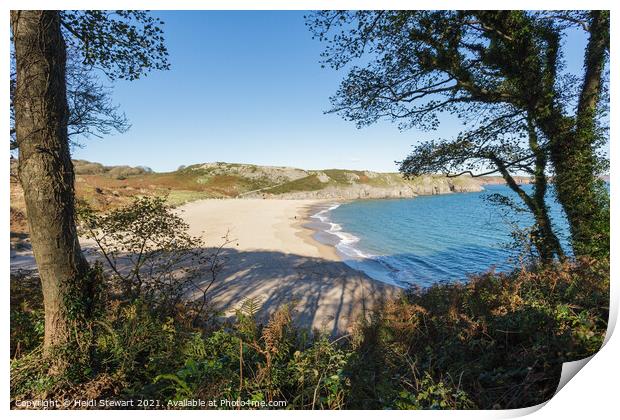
{"points": [[346, 240], [322, 215], [372, 265]]}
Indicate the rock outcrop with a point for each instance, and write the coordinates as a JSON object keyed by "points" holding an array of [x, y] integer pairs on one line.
{"points": [[393, 187], [281, 182]]}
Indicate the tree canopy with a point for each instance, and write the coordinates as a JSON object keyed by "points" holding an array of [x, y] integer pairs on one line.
{"points": [[124, 44], [502, 74], [103, 45]]}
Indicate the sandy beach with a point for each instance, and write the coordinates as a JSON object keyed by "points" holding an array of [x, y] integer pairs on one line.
{"points": [[256, 224], [272, 256]]}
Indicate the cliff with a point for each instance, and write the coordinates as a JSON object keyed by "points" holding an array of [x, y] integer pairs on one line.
{"points": [[107, 187], [274, 182]]}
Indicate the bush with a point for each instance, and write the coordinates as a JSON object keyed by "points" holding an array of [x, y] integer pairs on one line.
{"points": [[151, 256], [498, 341], [261, 363], [27, 317]]}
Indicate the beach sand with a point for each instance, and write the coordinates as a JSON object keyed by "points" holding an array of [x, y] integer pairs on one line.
{"points": [[272, 256]]}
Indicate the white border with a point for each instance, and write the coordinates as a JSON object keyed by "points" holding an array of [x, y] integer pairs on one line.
{"points": [[592, 394]]}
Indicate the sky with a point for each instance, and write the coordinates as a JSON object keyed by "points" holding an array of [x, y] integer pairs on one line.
{"points": [[248, 87]]}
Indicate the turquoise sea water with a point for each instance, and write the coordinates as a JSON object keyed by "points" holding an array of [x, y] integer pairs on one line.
{"points": [[428, 239]]}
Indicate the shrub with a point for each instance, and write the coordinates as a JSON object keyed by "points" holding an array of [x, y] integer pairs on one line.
{"points": [[151, 255], [497, 341], [27, 317], [260, 363]]}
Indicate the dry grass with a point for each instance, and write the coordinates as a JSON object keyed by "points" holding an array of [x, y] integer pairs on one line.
{"points": [[104, 192]]}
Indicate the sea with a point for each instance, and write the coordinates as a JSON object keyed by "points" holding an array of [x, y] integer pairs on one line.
{"points": [[426, 240]]}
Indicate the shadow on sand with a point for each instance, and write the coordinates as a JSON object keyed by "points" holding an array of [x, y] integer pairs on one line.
{"points": [[328, 295]]}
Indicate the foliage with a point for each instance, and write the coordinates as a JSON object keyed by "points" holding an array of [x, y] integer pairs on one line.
{"points": [[500, 339], [122, 45], [27, 326], [125, 44], [151, 255], [502, 74], [496, 342]]}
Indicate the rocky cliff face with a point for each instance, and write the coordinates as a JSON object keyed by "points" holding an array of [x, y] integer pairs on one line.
{"points": [[395, 188], [280, 182]]}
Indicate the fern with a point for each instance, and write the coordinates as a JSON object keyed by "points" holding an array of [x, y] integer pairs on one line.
{"points": [[195, 348], [180, 387], [250, 307], [277, 330]]}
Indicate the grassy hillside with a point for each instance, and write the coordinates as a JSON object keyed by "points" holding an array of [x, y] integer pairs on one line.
{"points": [[106, 187]]}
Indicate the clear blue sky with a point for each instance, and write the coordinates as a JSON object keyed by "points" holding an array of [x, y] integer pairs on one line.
{"points": [[248, 87]]}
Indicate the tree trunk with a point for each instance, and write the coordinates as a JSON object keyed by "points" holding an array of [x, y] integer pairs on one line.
{"points": [[573, 153], [544, 238], [548, 243], [546, 235], [545, 241], [46, 172]]}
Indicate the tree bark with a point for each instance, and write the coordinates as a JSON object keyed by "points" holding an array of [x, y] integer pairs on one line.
{"points": [[573, 154], [550, 241], [46, 172], [545, 241]]}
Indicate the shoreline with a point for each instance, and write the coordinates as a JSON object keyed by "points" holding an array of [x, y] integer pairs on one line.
{"points": [[331, 234], [276, 259], [272, 256], [309, 225], [307, 232]]}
